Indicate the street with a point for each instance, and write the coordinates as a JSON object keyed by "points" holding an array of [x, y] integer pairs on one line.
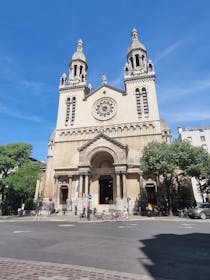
{"points": [[168, 249]]}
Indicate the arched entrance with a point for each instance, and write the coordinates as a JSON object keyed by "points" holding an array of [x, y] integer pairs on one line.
{"points": [[102, 171], [63, 194], [151, 193], [106, 189]]}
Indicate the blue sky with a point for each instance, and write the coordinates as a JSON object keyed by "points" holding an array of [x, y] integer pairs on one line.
{"points": [[38, 37]]}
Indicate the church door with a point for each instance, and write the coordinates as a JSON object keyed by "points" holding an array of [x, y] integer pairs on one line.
{"points": [[63, 194], [106, 190], [151, 194]]}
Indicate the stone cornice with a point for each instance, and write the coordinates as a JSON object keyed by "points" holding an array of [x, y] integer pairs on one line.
{"points": [[71, 87], [142, 77], [107, 128]]}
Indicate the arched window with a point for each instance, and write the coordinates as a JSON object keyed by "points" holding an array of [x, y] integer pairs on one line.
{"points": [[137, 60], [80, 70], [131, 60], [73, 110], [138, 102], [142, 60], [75, 70], [126, 71], [145, 102], [150, 67], [68, 102]]}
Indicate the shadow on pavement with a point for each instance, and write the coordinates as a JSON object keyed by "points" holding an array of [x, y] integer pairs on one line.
{"points": [[171, 256]]}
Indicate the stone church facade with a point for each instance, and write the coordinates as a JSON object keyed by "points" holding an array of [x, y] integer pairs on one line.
{"points": [[94, 152]]}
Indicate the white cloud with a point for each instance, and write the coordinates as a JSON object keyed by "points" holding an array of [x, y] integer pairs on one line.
{"points": [[184, 116], [11, 73], [180, 91], [18, 115], [169, 50]]}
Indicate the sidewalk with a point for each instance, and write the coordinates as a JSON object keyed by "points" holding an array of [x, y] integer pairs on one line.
{"points": [[12, 269], [70, 217]]}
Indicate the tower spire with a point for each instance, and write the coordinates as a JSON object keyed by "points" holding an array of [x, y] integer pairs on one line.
{"points": [[78, 66], [137, 63], [79, 45], [134, 34]]}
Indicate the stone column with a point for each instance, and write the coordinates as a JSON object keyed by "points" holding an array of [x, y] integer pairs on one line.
{"points": [[55, 192], [80, 185], [58, 193], [70, 187], [86, 185], [124, 186], [118, 185]]}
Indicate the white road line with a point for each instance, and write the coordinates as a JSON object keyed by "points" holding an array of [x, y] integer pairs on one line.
{"points": [[21, 231], [187, 227], [66, 225]]}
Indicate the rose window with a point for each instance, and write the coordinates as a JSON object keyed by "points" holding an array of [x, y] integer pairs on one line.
{"points": [[104, 108]]}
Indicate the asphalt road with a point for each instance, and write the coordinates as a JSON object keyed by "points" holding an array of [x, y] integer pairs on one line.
{"points": [[166, 249]]}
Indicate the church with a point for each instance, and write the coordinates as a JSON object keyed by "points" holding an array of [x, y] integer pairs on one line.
{"points": [[94, 152]]}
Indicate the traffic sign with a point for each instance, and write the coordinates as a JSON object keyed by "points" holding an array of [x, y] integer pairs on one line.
{"points": [[90, 197]]}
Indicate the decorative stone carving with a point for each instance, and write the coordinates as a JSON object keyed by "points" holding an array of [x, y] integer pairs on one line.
{"points": [[104, 108]]}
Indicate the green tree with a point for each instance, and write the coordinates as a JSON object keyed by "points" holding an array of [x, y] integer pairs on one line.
{"points": [[159, 161], [163, 161], [197, 165], [13, 155], [23, 181]]}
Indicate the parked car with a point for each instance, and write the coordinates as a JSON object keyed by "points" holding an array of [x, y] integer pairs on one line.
{"points": [[200, 211]]}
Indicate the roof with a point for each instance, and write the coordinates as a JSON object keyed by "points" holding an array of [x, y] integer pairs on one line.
{"points": [[106, 86]]}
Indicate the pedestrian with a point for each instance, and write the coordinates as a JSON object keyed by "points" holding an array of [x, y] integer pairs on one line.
{"points": [[84, 213], [75, 210], [125, 212]]}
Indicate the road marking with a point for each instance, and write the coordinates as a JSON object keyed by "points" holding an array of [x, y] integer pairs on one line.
{"points": [[187, 227], [132, 224], [68, 225], [21, 231], [7, 221], [53, 278]]}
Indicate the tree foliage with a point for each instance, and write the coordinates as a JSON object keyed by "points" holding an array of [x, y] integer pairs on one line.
{"points": [[18, 175], [162, 160], [13, 155], [23, 181]]}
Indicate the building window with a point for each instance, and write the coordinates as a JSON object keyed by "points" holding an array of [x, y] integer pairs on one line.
{"points": [[80, 70], [145, 102], [203, 139], [189, 138], [138, 103], [73, 110], [131, 60], [68, 103], [75, 70], [204, 146], [137, 60]]}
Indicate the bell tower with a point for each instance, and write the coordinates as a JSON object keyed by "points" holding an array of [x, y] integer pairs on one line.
{"points": [[139, 79], [78, 66]]}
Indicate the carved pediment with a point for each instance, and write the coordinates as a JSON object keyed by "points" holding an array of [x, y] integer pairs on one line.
{"points": [[103, 143], [104, 88], [106, 138]]}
